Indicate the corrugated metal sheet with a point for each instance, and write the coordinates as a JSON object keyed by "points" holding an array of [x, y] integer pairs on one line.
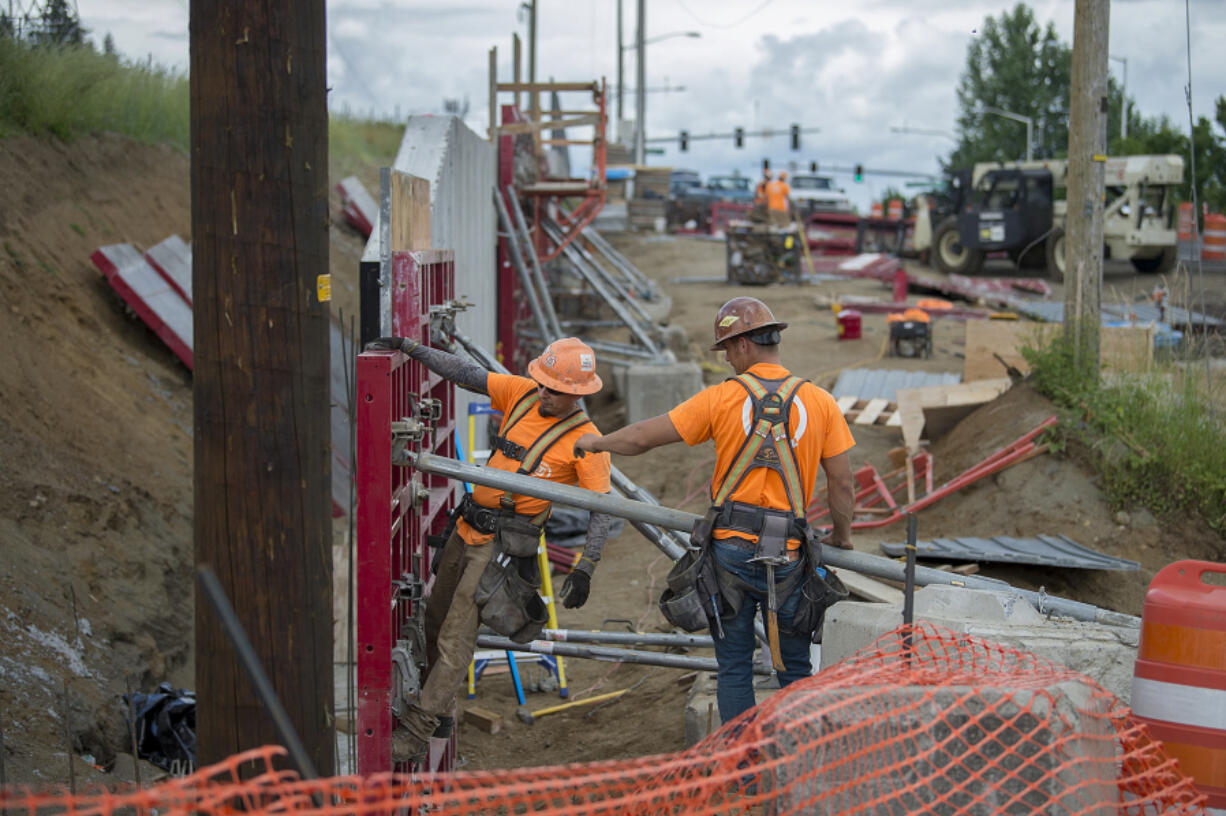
{"points": [[1043, 550], [874, 383], [1142, 313]]}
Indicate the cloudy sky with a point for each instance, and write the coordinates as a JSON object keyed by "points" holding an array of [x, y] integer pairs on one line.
{"points": [[853, 68]]}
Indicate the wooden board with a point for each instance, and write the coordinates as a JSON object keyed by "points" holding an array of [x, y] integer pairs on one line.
{"points": [[938, 407], [410, 212], [870, 589], [871, 411], [846, 404]]}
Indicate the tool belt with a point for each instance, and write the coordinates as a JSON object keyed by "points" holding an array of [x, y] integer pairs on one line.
{"points": [[754, 520], [506, 594], [820, 589]]}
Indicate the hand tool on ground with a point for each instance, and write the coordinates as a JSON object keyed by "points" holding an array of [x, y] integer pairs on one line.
{"points": [[606, 653], [529, 717]]}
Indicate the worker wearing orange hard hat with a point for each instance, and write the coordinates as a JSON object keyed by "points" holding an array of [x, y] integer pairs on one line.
{"points": [[754, 548], [487, 570]]}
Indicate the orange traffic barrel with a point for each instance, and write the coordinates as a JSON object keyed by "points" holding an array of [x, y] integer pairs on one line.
{"points": [[1213, 242], [876, 209], [1179, 683], [1183, 223], [895, 208]]}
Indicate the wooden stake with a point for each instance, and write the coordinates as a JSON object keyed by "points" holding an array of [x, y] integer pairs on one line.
{"points": [[72, 773], [127, 681]]}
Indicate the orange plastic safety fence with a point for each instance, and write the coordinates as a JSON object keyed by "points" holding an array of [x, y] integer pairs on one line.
{"points": [[922, 721]]}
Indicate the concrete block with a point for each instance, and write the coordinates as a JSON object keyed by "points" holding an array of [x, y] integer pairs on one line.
{"points": [[659, 307], [677, 340], [651, 390], [1106, 654], [701, 710]]}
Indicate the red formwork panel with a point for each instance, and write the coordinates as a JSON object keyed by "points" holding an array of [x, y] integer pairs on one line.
{"points": [[149, 295], [172, 258], [357, 205], [399, 507]]}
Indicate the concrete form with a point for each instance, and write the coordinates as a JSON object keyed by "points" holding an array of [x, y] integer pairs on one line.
{"points": [[460, 166], [1106, 654]]}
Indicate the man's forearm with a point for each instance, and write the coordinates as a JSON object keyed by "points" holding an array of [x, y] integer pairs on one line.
{"points": [[842, 499], [638, 438], [597, 534], [463, 373]]}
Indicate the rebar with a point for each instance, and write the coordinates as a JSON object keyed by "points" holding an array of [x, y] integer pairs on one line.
{"points": [[605, 653], [667, 517]]}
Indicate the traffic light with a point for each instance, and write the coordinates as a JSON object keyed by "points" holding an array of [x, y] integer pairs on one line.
{"points": [[766, 165], [796, 137], [812, 167], [738, 136], [685, 140], [859, 174]]}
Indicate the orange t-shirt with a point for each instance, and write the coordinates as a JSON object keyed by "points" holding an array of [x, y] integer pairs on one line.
{"points": [[559, 464], [777, 193], [723, 412]]}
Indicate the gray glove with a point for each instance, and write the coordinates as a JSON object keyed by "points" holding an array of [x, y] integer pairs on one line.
{"points": [[405, 344]]}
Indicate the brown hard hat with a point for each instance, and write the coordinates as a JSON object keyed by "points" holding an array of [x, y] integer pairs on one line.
{"points": [[743, 315]]}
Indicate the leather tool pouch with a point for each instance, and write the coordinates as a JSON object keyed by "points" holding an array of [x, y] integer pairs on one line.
{"points": [[693, 596], [772, 547], [820, 589], [506, 593]]}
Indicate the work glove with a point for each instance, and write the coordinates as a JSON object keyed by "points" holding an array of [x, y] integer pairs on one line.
{"points": [[405, 344], [578, 585]]}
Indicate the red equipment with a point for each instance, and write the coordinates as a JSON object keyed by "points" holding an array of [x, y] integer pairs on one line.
{"points": [[400, 406]]}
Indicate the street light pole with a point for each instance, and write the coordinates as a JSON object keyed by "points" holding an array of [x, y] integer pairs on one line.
{"points": [[924, 132], [640, 112], [1017, 117], [621, 80], [1123, 97]]}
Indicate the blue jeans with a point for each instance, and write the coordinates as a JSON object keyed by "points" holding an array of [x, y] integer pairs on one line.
{"points": [[734, 651]]}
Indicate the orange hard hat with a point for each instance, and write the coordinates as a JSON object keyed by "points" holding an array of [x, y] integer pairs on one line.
{"points": [[567, 365], [783, 174], [910, 314], [743, 315]]}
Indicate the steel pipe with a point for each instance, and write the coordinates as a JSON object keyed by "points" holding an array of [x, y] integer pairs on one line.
{"points": [[576, 250], [667, 517], [517, 260], [521, 224], [619, 260], [606, 653], [628, 638]]}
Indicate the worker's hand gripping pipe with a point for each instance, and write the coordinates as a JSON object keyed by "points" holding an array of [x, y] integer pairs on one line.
{"points": [[667, 517]]}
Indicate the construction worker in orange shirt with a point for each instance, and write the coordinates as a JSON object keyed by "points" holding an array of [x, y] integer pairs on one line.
{"points": [[758, 213], [777, 200], [772, 433], [487, 570]]}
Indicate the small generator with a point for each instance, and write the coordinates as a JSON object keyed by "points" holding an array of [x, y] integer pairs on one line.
{"points": [[910, 334]]}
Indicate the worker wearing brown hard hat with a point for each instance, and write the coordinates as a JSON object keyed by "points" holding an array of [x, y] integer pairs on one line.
{"points": [[773, 431], [486, 572]]}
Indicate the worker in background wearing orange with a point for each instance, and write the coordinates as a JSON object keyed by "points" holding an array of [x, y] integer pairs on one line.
{"points": [[772, 432], [777, 200], [758, 213], [487, 570]]}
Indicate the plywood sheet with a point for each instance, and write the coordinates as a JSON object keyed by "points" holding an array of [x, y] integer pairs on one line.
{"points": [[410, 212], [938, 407]]}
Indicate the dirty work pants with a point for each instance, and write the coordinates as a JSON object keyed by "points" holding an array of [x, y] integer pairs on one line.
{"points": [[734, 651], [451, 623], [780, 218]]}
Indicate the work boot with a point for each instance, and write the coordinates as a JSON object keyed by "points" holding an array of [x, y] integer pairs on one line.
{"points": [[407, 747], [446, 727]]}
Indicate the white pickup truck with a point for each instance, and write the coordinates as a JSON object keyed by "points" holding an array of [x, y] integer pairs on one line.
{"points": [[813, 193]]}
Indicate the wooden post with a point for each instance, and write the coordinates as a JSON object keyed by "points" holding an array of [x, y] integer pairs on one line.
{"points": [[493, 90], [516, 59], [1087, 149], [259, 146]]}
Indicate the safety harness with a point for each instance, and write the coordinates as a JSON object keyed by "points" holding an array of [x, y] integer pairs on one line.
{"points": [[768, 445], [485, 519]]}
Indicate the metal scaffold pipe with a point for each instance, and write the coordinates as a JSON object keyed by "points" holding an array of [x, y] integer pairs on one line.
{"points": [[671, 543], [517, 260], [525, 236], [680, 520], [606, 653], [629, 638]]}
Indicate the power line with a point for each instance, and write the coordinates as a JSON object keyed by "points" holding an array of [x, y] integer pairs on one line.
{"points": [[758, 8]]}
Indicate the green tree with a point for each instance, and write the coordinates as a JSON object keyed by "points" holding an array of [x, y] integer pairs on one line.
{"points": [[60, 25], [108, 46], [1158, 135], [1013, 65], [7, 29]]}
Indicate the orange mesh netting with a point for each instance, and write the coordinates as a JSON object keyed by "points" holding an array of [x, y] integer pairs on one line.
{"points": [[922, 721]]}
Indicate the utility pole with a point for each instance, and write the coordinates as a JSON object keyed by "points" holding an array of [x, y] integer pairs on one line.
{"points": [[1087, 149], [262, 517], [640, 99], [621, 79]]}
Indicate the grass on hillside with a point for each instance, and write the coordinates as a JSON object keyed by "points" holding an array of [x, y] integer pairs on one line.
{"points": [[71, 92], [1155, 438]]}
